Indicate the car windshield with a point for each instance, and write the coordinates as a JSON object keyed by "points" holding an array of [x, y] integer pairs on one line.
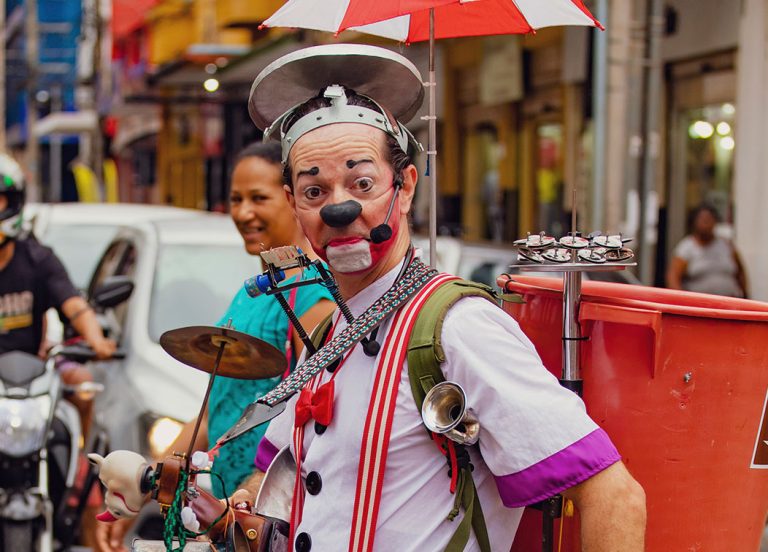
{"points": [[79, 247], [194, 284]]}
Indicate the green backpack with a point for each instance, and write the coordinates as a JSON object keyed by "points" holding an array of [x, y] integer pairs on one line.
{"points": [[425, 355]]}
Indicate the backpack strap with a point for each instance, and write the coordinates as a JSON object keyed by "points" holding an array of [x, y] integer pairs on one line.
{"points": [[425, 355]]}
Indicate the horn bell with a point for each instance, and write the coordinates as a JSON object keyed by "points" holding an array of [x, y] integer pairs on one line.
{"points": [[445, 411]]}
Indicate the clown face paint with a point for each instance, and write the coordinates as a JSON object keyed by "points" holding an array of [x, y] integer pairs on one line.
{"points": [[342, 163], [356, 255]]}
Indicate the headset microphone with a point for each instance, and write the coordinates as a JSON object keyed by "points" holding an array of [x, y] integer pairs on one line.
{"points": [[383, 232]]}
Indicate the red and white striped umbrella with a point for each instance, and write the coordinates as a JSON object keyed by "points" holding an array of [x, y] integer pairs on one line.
{"points": [[417, 20], [408, 20]]}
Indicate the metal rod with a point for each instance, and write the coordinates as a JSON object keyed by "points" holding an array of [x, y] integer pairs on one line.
{"points": [[33, 60], [333, 289], [599, 115], [55, 148], [205, 399], [2, 75], [649, 132], [432, 147], [571, 328]]}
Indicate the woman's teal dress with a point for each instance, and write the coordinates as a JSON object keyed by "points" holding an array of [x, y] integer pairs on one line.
{"points": [[263, 318]]}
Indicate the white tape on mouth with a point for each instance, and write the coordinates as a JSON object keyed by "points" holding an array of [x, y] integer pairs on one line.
{"points": [[349, 257]]}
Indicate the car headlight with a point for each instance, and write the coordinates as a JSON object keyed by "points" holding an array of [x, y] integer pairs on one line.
{"points": [[161, 432], [23, 424]]}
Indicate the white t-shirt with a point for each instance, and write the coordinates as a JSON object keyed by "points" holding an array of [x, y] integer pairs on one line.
{"points": [[535, 438], [711, 268]]}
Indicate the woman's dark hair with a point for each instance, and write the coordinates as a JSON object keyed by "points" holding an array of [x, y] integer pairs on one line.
{"points": [[702, 208], [268, 151], [398, 158]]}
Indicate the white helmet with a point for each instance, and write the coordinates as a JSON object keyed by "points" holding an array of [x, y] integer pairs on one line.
{"points": [[12, 187]]}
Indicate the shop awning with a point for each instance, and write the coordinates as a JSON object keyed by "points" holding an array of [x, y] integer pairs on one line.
{"points": [[128, 15]]}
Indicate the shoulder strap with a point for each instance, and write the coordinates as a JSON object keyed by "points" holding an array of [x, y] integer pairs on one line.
{"points": [[425, 348], [425, 355]]}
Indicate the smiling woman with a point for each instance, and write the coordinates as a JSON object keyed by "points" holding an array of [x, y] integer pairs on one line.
{"points": [[257, 200]]}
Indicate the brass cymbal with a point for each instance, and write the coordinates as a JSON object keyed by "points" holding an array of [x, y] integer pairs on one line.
{"points": [[244, 357]]}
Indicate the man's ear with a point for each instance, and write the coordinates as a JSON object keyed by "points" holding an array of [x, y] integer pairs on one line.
{"points": [[289, 196], [410, 175]]}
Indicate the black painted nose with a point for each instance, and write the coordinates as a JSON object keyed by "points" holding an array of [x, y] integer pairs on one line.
{"points": [[341, 214]]}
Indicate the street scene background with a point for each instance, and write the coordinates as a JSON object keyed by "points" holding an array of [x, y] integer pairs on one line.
{"points": [[634, 126], [127, 116]]}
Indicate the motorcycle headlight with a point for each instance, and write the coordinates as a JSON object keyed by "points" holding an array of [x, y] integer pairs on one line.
{"points": [[23, 424], [161, 432]]}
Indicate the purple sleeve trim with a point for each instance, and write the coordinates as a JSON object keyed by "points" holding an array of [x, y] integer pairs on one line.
{"points": [[265, 453], [564, 469]]}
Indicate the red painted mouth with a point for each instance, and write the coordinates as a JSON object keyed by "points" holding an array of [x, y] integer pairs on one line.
{"points": [[335, 242]]}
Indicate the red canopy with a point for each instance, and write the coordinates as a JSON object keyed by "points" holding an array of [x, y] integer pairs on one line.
{"points": [[128, 15]]}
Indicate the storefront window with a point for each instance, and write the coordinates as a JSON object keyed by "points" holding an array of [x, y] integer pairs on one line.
{"points": [[549, 177], [709, 150]]}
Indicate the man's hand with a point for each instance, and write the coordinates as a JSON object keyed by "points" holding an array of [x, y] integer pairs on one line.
{"points": [[242, 499], [110, 536], [245, 497], [84, 320], [104, 348]]}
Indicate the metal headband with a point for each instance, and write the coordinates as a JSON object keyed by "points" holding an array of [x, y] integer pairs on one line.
{"points": [[338, 112]]}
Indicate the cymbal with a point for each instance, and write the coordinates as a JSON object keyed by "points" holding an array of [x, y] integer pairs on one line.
{"points": [[244, 356]]}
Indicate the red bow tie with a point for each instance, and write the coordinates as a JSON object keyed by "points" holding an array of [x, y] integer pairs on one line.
{"points": [[316, 405]]}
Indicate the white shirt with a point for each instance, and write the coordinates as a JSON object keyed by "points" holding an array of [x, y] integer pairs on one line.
{"points": [[535, 437]]}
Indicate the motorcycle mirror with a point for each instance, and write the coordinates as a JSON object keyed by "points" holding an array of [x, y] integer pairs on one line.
{"points": [[112, 291]]}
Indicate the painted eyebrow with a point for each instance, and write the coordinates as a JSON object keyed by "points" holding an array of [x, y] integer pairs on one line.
{"points": [[352, 163], [314, 171]]}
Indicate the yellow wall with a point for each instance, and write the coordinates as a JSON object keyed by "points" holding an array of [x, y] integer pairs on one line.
{"points": [[238, 12], [180, 168], [171, 25], [177, 24]]}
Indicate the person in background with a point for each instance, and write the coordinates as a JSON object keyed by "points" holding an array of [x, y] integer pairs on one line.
{"points": [[704, 262], [264, 218], [33, 280]]}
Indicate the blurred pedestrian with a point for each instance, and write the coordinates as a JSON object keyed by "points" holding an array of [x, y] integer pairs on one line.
{"points": [[264, 218], [704, 262]]}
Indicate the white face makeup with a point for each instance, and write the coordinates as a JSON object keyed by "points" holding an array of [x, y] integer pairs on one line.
{"points": [[342, 162]]}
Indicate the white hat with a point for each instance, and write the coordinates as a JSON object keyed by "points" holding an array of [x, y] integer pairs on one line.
{"points": [[390, 80]]}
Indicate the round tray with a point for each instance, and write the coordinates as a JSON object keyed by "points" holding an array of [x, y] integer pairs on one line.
{"points": [[572, 267]]}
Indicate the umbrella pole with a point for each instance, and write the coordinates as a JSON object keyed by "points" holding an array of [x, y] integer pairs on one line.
{"points": [[432, 146]]}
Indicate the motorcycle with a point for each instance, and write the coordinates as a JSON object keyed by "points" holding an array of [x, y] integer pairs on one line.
{"points": [[41, 443]]}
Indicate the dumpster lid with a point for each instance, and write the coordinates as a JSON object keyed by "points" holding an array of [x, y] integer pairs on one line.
{"points": [[669, 301]]}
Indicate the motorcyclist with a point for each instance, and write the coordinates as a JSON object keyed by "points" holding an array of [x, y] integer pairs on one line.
{"points": [[32, 280]]}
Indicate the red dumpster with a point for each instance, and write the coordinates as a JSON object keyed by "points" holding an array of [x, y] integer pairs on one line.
{"points": [[679, 381]]}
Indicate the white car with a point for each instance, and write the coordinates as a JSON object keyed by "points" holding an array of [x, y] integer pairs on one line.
{"points": [[185, 273], [80, 232]]}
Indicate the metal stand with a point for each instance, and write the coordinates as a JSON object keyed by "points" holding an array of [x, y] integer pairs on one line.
{"points": [[545, 254]]}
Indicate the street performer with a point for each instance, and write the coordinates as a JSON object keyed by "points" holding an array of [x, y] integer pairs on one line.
{"points": [[370, 477]]}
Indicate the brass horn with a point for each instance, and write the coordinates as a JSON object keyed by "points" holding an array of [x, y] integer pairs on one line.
{"points": [[445, 411]]}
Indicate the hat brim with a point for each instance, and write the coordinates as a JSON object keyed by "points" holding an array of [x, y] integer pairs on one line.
{"points": [[387, 77]]}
